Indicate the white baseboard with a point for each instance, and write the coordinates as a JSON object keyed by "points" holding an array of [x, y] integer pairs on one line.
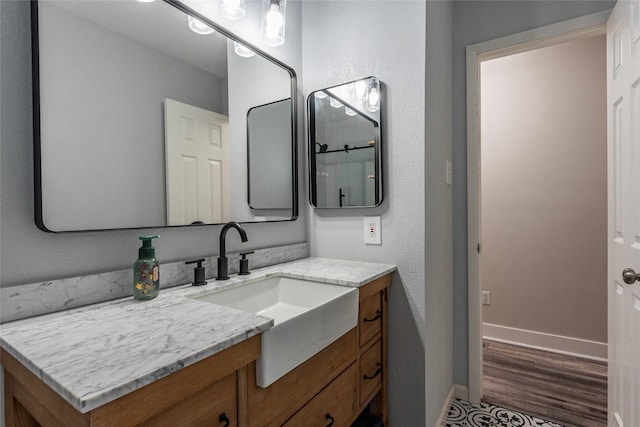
{"points": [[445, 408], [556, 343]]}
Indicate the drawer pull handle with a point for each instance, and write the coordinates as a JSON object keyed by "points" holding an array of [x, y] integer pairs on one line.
{"points": [[376, 373], [374, 318], [330, 418], [223, 419]]}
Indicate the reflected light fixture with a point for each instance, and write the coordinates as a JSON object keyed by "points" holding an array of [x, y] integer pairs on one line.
{"points": [[320, 94], [335, 103], [373, 97], [273, 22], [146, 1], [199, 27], [349, 112], [360, 89], [242, 50], [232, 9], [196, 25]]}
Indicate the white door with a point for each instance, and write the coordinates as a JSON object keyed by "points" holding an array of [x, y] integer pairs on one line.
{"points": [[197, 160], [623, 115]]}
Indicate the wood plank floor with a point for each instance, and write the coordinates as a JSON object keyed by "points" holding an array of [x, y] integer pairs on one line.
{"points": [[565, 389]]}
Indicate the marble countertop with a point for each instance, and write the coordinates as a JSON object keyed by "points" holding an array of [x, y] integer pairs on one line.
{"points": [[98, 353]]}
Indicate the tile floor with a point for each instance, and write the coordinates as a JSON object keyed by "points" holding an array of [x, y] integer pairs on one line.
{"points": [[466, 414]]}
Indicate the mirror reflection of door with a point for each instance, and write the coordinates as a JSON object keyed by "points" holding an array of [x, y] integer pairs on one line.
{"points": [[197, 165]]}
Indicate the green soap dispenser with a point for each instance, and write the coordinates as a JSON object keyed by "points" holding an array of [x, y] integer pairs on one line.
{"points": [[146, 271]]}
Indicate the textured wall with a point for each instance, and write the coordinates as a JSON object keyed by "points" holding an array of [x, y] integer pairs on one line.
{"points": [[475, 22], [30, 255], [344, 41], [544, 189]]}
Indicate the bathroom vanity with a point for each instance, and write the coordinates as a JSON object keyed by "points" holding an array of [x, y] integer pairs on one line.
{"points": [[99, 366]]}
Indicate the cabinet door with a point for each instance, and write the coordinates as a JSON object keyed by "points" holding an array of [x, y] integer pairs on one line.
{"points": [[370, 317], [213, 406], [371, 371], [334, 406]]}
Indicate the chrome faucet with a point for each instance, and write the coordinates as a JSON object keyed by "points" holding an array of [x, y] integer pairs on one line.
{"points": [[223, 266]]}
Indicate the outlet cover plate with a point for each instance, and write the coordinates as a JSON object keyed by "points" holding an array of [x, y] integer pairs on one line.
{"points": [[372, 231]]}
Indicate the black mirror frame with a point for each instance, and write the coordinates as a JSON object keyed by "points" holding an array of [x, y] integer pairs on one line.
{"points": [[311, 143], [37, 152]]}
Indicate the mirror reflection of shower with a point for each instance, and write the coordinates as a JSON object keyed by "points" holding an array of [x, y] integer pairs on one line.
{"points": [[344, 135]]}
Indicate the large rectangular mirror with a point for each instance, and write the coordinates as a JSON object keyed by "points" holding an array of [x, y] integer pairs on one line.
{"points": [[141, 122], [345, 146]]}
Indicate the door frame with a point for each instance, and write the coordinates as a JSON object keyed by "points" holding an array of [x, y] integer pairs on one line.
{"points": [[581, 27]]}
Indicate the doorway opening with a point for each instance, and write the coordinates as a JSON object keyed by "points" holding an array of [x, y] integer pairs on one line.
{"points": [[521, 207]]}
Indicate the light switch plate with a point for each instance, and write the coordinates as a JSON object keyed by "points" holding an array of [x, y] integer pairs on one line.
{"points": [[372, 231]]}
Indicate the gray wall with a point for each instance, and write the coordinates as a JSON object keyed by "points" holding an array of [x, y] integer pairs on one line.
{"points": [[475, 22], [29, 255], [344, 41]]}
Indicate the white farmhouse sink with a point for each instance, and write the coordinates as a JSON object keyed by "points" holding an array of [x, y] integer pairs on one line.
{"points": [[308, 316]]}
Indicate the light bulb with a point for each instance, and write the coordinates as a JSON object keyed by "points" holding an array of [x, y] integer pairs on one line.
{"points": [[274, 16], [373, 100], [349, 112], [232, 9], [360, 88], [335, 103], [242, 50], [199, 27], [273, 22]]}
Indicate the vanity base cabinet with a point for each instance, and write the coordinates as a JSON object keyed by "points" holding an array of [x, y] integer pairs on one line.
{"points": [[174, 397], [336, 405], [331, 388]]}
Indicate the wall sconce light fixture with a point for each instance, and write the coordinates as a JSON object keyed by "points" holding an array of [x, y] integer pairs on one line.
{"points": [[196, 25], [232, 9], [242, 50], [274, 14], [373, 97]]}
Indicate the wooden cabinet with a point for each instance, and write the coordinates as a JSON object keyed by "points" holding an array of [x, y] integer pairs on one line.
{"points": [[30, 402], [331, 388], [335, 405], [372, 347]]}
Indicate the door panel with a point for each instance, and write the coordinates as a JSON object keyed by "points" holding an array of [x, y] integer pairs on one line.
{"points": [[197, 160], [623, 80]]}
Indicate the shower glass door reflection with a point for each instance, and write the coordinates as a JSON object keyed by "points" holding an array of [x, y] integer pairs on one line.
{"points": [[346, 177]]}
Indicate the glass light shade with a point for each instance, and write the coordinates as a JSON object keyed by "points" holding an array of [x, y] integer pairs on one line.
{"points": [[360, 89], [232, 9], [373, 97], [199, 27], [242, 50], [335, 103], [320, 95], [349, 112], [274, 14]]}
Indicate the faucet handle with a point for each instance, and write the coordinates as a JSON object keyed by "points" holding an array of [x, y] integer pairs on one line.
{"points": [[244, 264], [198, 272]]}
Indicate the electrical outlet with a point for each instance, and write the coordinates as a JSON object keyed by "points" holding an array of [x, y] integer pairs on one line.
{"points": [[448, 177], [372, 230], [486, 297]]}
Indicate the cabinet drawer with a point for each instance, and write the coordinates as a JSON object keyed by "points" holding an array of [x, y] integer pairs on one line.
{"points": [[370, 320], [213, 406], [370, 376], [335, 405]]}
